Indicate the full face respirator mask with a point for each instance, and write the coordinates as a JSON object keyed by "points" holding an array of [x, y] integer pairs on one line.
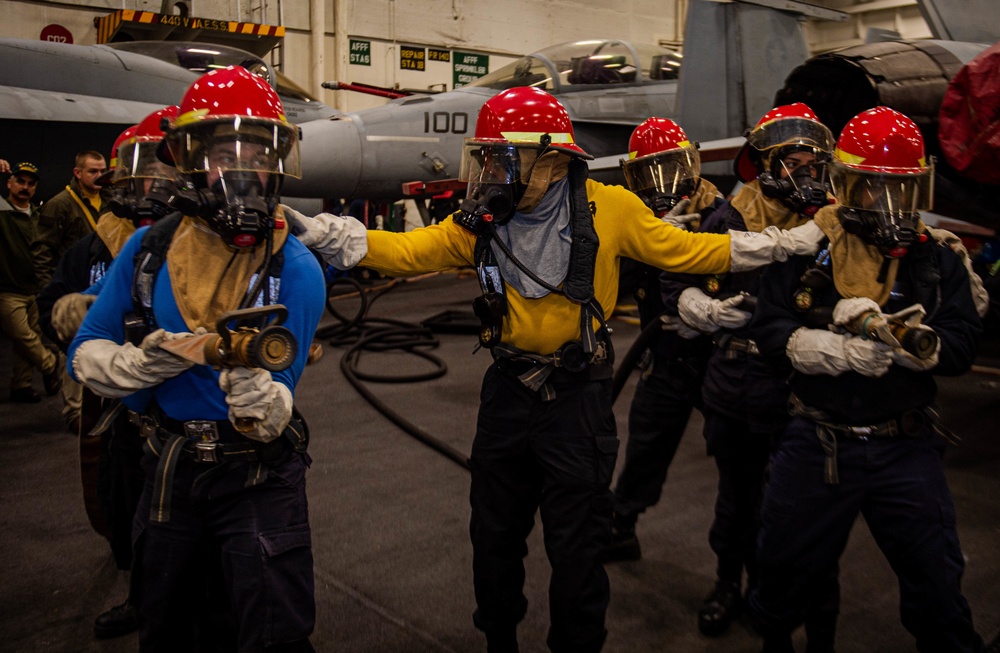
{"points": [[498, 200], [127, 202], [236, 206], [881, 207], [804, 189], [893, 235], [496, 185], [661, 203]]}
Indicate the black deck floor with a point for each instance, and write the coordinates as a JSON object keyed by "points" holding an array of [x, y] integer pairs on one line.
{"points": [[390, 520]]}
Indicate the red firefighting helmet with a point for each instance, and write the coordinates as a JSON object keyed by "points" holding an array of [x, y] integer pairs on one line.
{"points": [[232, 104], [137, 155], [790, 125], [521, 116], [656, 135], [107, 178], [661, 158], [881, 152]]}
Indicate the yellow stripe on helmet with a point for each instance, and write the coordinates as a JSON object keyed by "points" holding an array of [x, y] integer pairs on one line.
{"points": [[847, 157], [190, 117], [563, 138]]}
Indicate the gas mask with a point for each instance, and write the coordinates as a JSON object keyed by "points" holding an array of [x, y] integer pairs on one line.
{"points": [[496, 183], [663, 179], [236, 207], [893, 235], [661, 203], [498, 200], [125, 201], [804, 189], [883, 208]]}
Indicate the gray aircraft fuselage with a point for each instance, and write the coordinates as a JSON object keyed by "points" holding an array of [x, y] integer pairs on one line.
{"points": [[58, 99], [607, 87]]}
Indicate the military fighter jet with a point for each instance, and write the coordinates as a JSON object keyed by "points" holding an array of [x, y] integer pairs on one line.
{"points": [[57, 99], [412, 146], [607, 86]]}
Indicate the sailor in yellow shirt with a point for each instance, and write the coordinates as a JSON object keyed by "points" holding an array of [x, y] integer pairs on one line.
{"points": [[546, 242]]}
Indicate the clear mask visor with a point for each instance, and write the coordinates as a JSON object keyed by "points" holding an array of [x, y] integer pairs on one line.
{"points": [[489, 163], [236, 144], [791, 131], [138, 160], [672, 173], [893, 194]]}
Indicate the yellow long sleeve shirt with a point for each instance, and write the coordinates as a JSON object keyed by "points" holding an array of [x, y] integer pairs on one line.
{"points": [[624, 226]]}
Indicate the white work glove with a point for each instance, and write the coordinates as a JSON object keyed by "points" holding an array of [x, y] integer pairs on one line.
{"points": [[905, 359], [676, 324], [341, 240], [252, 395], [749, 249], [68, 313], [677, 216], [707, 315], [113, 370], [851, 308], [817, 351]]}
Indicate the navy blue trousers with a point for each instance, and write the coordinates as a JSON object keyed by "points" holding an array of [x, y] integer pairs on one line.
{"points": [[262, 532], [740, 452], [657, 418], [555, 457], [899, 486]]}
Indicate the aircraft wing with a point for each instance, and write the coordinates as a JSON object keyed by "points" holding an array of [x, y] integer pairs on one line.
{"points": [[23, 103]]}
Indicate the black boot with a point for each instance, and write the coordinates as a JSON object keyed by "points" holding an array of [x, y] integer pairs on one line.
{"points": [[821, 629], [119, 620], [624, 543], [778, 644], [720, 608], [504, 641]]}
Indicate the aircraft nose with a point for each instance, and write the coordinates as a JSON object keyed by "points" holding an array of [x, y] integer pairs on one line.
{"points": [[331, 152]]}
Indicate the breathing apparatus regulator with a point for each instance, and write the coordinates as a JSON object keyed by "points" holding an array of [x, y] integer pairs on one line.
{"points": [[235, 206], [663, 166], [232, 146], [882, 180], [804, 188]]}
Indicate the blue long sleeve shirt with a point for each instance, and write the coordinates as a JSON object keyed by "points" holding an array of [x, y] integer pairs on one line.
{"points": [[195, 394]]}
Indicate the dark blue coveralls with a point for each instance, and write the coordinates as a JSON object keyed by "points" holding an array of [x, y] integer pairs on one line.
{"points": [[744, 407], [893, 475], [667, 391]]}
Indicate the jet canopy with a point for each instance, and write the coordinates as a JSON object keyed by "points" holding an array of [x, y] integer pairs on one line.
{"points": [[586, 63]]}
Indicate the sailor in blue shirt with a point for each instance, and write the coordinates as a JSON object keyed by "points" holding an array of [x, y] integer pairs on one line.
{"points": [[210, 487]]}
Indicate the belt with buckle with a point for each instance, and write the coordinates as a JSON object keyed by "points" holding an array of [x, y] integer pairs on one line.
{"points": [[198, 439], [910, 424], [731, 345]]}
